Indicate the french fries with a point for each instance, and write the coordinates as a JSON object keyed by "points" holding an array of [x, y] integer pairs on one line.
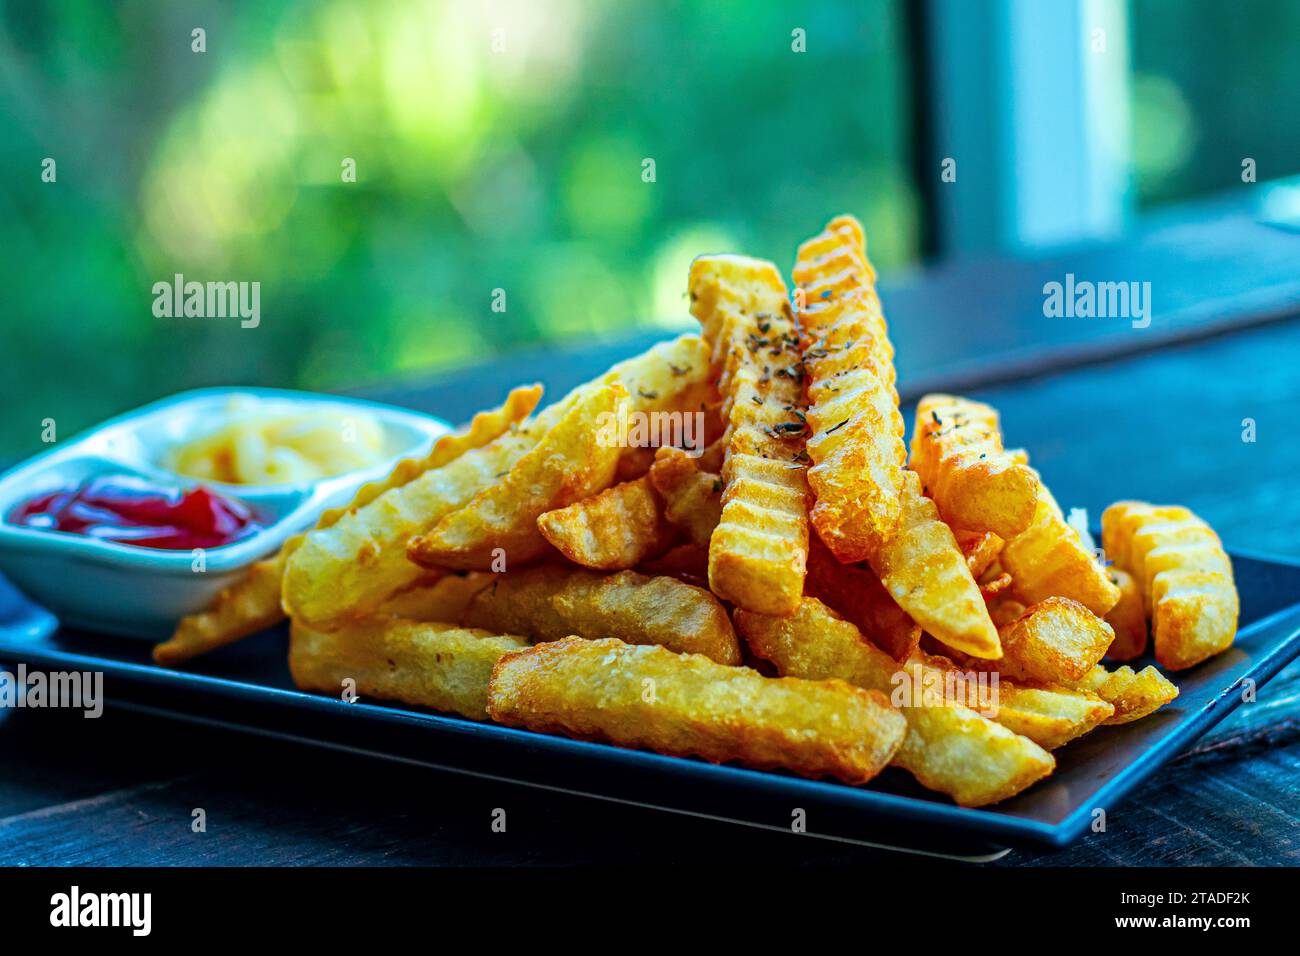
{"points": [[1134, 695], [926, 574], [759, 550], [692, 498], [250, 605], [1051, 715], [549, 602], [1185, 577], [441, 666], [955, 587], [348, 569], [980, 548], [570, 463], [949, 747], [1056, 639], [440, 598], [612, 531], [856, 594], [855, 429], [957, 451], [1048, 559], [689, 705], [1127, 618], [253, 603]]}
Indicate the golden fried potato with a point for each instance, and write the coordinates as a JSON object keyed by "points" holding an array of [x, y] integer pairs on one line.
{"points": [[925, 572], [689, 705], [856, 594], [250, 605], [571, 462], [349, 569], [440, 598], [253, 603], [855, 428], [759, 550], [612, 531], [692, 498], [1132, 694], [1048, 559], [949, 747], [980, 548], [1051, 715], [1127, 618], [550, 602], [1054, 640], [1003, 610], [634, 463], [441, 666], [1185, 577], [957, 451], [994, 585], [686, 562]]}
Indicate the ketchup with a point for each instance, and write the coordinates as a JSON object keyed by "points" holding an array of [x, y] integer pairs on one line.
{"points": [[130, 510]]}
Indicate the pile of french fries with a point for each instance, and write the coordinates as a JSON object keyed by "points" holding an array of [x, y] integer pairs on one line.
{"points": [[803, 591]]}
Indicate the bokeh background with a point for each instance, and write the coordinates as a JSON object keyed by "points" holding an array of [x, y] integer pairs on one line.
{"points": [[478, 169]]}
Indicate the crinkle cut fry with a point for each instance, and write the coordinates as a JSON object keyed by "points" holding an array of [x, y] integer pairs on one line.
{"points": [[949, 747], [1185, 577], [855, 429], [550, 602], [1048, 559], [925, 571], [442, 666], [253, 603], [977, 486], [759, 551], [350, 568], [688, 705]]}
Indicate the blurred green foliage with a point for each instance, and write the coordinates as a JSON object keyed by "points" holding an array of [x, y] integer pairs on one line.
{"points": [[477, 168], [1214, 83]]}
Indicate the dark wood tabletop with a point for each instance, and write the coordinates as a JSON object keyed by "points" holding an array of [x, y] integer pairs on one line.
{"points": [[1103, 419]]}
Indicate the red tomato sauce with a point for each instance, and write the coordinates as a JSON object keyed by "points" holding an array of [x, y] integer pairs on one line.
{"points": [[130, 510]]}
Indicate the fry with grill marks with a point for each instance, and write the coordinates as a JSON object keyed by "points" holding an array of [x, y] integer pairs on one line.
{"points": [[855, 429], [441, 666], [759, 550], [957, 451], [612, 531], [1048, 559], [253, 603], [925, 572], [688, 705], [1185, 577], [949, 746], [548, 603]]}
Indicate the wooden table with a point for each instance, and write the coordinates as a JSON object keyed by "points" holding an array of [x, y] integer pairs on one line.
{"points": [[1164, 424]]}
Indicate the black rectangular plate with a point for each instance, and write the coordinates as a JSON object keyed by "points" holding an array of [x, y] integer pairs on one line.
{"points": [[247, 687]]}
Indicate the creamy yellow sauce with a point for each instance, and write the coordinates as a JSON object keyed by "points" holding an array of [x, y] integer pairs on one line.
{"points": [[261, 445]]}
